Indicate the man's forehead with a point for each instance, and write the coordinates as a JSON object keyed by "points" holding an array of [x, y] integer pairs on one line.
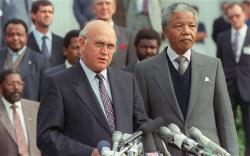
{"points": [[99, 1]]}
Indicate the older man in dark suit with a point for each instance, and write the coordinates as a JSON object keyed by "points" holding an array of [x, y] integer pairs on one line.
{"points": [[17, 117], [125, 52], [87, 102], [17, 56], [185, 87], [234, 51], [41, 39]]}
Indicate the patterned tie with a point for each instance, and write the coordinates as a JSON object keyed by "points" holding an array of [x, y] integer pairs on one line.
{"points": [[23, 148], [106, 102], [235, 44], [182, 66], [44, 46]]}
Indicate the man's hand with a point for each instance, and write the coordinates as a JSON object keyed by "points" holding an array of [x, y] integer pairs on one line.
{"points": [[95, 152]]}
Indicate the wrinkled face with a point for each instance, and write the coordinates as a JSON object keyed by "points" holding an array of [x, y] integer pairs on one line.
{"points": [[147, 48], [72, 52], [104, 9], [181, 31], [98, 49], [12, 88], [236, 17], [43, 17], [15, 37]]}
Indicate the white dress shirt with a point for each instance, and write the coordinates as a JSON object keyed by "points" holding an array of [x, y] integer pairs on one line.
{"points": [[241, 38], [9, 111], [15, 55]]}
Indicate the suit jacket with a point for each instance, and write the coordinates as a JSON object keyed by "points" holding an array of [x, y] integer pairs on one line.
{"points": [[48, 72], [125, 50], [57, 56], [8, 146], [70, 119], [154, 16], [219, 25], [31, 68], [209, 107], [237, 74]]}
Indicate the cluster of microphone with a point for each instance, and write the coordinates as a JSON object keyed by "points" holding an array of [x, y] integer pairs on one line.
{"points": [[142, 143]]}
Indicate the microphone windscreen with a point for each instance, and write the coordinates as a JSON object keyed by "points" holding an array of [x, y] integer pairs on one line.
{"points": [[101, 144], [150, 126]]}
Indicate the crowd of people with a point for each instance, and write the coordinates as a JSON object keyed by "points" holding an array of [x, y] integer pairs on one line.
{"points": [[61, 96]]}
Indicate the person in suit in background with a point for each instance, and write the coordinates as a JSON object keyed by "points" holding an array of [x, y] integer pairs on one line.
{"points": [[234, 51], [147, 44], [14, 9], [18, 117], [71, 50], [125, 51], [221, 23], [144, 14], [82, 11], [18, 56], [185, 87], [86, 103], [41, 39]]}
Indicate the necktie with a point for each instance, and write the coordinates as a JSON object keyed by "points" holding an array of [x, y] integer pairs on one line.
{"points": [[23, 149], [235, 44], [44, 46], [182, 66], [106, 102]]}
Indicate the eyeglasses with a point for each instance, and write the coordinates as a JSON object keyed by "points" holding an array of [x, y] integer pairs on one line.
{"points": [[101, 45], [12, 83]]}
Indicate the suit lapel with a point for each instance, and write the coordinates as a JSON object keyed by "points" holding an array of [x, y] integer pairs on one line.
{"points": [[6, 121], [163, 79], [30, 120], [26, 63], [33, 43], [87, 95], [197, 81], [246, 43]]}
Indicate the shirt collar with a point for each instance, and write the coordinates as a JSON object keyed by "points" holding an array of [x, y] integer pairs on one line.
{"points": [[242, 30], [67, 64], [91, 74], [173, 55], [8, 104], [40, 35], [20, 52]]}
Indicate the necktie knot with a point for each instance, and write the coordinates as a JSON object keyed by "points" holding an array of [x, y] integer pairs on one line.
{"points": [[14, 107], [181, 62], [99, 77]]}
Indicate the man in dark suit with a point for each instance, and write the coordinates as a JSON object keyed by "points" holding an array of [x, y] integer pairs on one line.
{"points": [[11, 87], [147, 44], [17, 56], [125, 51], [185, 87], [234, 51], [221, 24], [71, 50], [41, 39], [84, 104]]}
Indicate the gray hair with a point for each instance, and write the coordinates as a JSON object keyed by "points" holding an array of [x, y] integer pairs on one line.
{"points": [[175, 8]]}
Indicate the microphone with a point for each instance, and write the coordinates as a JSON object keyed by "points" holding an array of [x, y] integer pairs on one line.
{"points": [[181, 141], [103, 148], [116, 138], [187, 141], [198, 136], [146, 128]]}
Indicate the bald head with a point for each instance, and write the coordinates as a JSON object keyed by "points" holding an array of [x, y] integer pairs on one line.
{"points": [[97, 43], [93, 27]]}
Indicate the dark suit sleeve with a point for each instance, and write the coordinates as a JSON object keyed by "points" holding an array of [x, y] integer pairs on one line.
{"points": [[143, 87], [50, 125], [218, 45], [139, 115], [224, 115]]}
